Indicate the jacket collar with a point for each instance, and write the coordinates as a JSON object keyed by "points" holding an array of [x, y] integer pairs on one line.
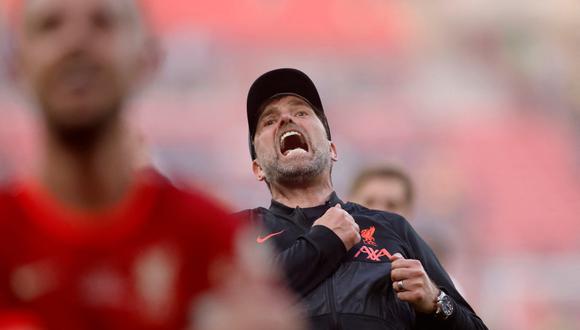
{"points": [[280, 208]]}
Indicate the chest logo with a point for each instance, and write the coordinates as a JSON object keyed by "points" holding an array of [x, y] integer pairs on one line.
{"points": [[367, 236], [372, 253], [261, 239]]}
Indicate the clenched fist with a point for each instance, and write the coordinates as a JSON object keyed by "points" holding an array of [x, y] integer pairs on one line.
{"points": [[342, 224], [412, 284]]}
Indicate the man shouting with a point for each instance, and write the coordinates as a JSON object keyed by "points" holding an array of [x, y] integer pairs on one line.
{"points": [[353, 267]]}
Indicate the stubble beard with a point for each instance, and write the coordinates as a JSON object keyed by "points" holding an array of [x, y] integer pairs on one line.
{"points": [[82, 136], [75, 131], [298, 173]]}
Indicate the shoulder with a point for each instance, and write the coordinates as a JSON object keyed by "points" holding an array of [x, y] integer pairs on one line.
{"points": [[388, 219], [8, 201], [4, 202], [254, 216], [191, 208], [198, 218], [359, 210], [187, 199], [12, 212]]}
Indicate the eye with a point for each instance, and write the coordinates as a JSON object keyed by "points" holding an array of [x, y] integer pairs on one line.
{"points": [[103, 21], [48, 23], [301, 113], [268, 122]]}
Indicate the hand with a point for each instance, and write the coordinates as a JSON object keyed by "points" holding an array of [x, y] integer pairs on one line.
{"points": [[247, 293], [413, 285], [342, 224]]}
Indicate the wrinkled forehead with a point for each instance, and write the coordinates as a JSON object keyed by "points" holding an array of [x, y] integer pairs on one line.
{"points": [[273, 103], [22, 11]]}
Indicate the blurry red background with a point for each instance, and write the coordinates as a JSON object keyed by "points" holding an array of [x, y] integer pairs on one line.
{"points": [[478, 101]]}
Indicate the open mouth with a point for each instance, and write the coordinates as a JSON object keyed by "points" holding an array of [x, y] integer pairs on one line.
{"points": [[292, 141]]}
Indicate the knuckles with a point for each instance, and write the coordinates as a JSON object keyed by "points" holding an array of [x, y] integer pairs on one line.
{"points": [[418, 295], [415, 263], [417, 273]]}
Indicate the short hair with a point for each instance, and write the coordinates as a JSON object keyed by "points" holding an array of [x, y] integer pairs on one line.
{"points": [[14, 9], [388, 172], [12, 13]]}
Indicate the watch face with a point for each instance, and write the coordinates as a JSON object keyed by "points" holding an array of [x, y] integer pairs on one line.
{"points": [[446, 306]]}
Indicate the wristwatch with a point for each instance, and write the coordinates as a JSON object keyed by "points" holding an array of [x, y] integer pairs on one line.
{"points": [[444, 306]]}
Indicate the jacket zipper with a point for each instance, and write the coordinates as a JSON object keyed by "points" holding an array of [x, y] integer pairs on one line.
{"points": [[332, 303], [329, 289]]}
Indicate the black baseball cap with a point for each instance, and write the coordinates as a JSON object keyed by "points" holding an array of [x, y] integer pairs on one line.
{"points": [[279, 82]]}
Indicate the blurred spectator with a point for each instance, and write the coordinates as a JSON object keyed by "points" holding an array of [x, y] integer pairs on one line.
{"points": [[389, 188], [386, 188]]}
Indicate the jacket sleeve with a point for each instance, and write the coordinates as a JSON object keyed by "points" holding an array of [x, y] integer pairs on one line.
{"points": [[463, 316], [312, 258], [309, 260]]}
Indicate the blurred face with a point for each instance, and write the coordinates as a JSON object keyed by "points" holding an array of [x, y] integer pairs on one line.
{"points": [[291, 143], [383, 193], [80, 59]]}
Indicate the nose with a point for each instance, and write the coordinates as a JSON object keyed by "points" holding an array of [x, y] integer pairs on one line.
{"points": [[285, 119], [77, 36]]}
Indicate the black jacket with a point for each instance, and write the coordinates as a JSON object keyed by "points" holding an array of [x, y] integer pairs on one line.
{"points": [[353, 290]]}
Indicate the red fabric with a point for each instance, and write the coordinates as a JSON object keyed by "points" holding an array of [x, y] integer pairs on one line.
{"points": [[137, 266], [17, 320]]}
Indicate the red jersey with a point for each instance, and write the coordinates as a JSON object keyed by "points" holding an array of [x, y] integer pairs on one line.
{"points": [[138, 266]]}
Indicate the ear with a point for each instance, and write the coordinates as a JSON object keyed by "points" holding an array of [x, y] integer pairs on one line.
{"points": [[155, 54], [333, 154], [258, 172], [150, 59], [13, 63]]}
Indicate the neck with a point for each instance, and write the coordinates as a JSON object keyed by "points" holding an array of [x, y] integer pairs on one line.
{"points": [[313, 193], [91, 176]]}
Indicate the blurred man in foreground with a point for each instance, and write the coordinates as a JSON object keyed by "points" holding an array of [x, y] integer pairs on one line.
{"points": [[354, 268], [92, 241]]}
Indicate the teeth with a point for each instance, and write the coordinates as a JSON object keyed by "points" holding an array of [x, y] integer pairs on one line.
{"points": [[287, 134]]}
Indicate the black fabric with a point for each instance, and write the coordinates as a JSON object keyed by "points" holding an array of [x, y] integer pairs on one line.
{"points": [[352, 289]]}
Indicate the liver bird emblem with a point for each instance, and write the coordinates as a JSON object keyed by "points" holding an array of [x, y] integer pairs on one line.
{"points": [[367, 235]]}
